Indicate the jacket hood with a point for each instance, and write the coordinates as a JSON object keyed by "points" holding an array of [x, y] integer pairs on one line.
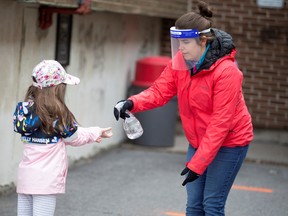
{"points": [[221, 45], [25, 119]]}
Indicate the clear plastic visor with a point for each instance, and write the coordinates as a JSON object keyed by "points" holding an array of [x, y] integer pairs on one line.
{"points": [[185, 47]]}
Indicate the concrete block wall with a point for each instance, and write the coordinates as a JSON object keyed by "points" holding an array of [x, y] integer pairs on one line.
{"points": [[104, 50], [156, 8]]}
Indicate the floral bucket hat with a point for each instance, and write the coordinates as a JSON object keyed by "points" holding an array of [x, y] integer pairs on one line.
{"points": [[49, 73]]}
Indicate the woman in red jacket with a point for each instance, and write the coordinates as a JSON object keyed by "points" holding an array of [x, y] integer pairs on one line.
{"points": [[208, 84]]}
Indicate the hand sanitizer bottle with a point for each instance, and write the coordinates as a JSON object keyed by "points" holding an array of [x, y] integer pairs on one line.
{"points": [[132, 126]]}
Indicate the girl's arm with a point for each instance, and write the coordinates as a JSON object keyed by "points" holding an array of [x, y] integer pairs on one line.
{"points": [[88, 135]]}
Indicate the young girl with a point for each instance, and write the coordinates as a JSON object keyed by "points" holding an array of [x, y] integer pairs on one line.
{"points": [[46, 126]]}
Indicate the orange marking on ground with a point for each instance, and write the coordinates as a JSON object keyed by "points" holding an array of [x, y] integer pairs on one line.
{"points": [[256, 189], [174, 214]]}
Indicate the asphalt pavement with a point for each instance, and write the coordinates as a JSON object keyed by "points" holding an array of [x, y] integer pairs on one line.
{"points": [[132, 180]]}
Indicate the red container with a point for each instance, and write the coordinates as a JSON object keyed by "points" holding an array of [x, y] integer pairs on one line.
{"points": [[149, 69]]}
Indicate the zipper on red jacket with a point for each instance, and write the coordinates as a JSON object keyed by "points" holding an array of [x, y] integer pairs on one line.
{"points": [[196, 135]]}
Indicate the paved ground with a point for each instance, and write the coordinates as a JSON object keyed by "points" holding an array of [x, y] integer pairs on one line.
{"points": [[132, 180], [138, 181]]}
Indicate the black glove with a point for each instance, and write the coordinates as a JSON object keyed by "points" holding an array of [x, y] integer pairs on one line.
{"points": [[190, 177], [121, 107]]}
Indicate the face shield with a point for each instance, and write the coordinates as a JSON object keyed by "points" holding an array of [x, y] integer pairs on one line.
{"points": [[185, 47]]}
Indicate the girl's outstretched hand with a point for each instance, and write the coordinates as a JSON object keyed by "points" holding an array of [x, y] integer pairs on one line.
{"points": [[106, 133]]}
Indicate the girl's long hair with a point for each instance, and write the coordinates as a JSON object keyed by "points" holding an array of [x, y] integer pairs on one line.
{"points": [[50, 106]]}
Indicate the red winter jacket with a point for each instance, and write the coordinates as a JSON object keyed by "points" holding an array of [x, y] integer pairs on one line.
{"points": [[211, 107]]}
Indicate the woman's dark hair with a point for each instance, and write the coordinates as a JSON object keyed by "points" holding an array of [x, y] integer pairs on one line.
{"points": [[193, 20], [50, 106]]}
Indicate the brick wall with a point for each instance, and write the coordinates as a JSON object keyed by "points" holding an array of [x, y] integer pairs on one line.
{"points": [[261, 38]]}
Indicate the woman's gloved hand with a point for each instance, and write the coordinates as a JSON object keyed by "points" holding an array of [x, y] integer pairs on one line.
{"points": [[191, 176], [121, 107]]}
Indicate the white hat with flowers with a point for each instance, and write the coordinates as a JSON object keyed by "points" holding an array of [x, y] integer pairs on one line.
{"points": [[49, 73]]}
